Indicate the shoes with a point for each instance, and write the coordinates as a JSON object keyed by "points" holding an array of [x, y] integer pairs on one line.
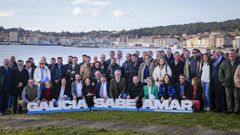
{"points": [[207, 109]]}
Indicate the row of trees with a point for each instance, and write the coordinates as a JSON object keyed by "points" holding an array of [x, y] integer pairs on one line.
{"points": [[171, 30], [191, 28]]}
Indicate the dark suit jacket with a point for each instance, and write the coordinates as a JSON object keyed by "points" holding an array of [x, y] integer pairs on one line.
{"points": [[66, 92], [17, 78], [98, 87], [70, 74], [216, 70], [187, 88], [114, 91]]}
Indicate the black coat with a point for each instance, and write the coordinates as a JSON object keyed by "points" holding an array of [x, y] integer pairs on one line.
{"points": [[66, 92], [3, 80], [71, 72], [19, 76], [136, 91], [176, 70], [43, 94]]}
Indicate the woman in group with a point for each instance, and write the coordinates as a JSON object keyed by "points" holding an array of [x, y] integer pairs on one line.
{"points": [[145, 69], [160, 71], [63, 92], [96, 67], [195, 94], [42, 74], [88, 92], [150, 90], [205, 70], [47, 94], [166, 89]]}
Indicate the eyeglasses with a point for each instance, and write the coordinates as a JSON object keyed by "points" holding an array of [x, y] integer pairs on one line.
{"points": [[194, 52]]}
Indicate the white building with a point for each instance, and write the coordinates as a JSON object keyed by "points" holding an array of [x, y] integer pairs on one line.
{"points": [[236, 42], [13, 36]]}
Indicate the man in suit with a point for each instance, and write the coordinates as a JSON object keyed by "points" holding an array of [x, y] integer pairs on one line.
{"points": [[226, 78], [219, 92], [112, 68], [111, 55], [77, 88], [117, 86], [72, 70], [5, 85], [102, 88], [20, 79], [29, 68], [182, 88], [59, 72]]}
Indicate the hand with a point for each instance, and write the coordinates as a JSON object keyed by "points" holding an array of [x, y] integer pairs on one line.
{"points": [[20, 84], [162, 98], [53, 100], [74, 98], [136, 99], [183, 97], [56, 81], [169, 99], [89, 94], [128, 97]]}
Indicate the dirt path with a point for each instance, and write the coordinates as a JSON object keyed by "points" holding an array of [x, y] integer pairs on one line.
{"points": [[115, 126]]}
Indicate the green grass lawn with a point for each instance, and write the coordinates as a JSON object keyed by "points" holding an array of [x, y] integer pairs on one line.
{"points": [[53, 130], [211, 120]]}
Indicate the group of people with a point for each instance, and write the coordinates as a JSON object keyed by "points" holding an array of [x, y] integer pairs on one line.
{"points": [[211, 79]]}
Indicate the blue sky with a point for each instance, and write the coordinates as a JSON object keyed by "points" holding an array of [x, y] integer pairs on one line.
{"points": [[87, 15]]}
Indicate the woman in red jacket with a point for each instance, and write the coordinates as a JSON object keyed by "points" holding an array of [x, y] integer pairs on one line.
{"points": [[195, 94]]}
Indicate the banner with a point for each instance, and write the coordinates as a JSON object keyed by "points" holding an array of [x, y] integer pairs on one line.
{"points": [[184, 106]]}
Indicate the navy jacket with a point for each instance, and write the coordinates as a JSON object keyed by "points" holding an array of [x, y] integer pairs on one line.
{"points": [[98, 87]]}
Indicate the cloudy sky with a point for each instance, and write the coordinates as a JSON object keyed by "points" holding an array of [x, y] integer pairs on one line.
{"points": [[87, 15]]}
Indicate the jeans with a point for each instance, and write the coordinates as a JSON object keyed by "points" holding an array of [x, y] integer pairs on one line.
{"points": [[205, 86]]}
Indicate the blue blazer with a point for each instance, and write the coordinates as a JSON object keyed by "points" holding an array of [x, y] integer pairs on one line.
{"points": [[171, 91]]}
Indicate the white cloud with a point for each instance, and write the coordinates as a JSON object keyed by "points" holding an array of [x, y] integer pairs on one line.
{"points": [[6, 13], [88, 7], [118, 13], [76, 2], [77, 11], [99, 3], [91, 2], [95, 11]]}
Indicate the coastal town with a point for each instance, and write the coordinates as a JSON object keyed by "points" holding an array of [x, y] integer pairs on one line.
{"points": [[105, 39]]}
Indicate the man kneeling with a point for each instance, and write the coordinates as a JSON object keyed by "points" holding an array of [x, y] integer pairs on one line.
{"points": [[30, 93]]}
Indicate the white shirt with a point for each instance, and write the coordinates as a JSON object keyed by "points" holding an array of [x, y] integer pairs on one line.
{"points": [[205, 73], [61, 95], [30, 72], [79, 89], [103, 90], [120, 61], [151, 96]]}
